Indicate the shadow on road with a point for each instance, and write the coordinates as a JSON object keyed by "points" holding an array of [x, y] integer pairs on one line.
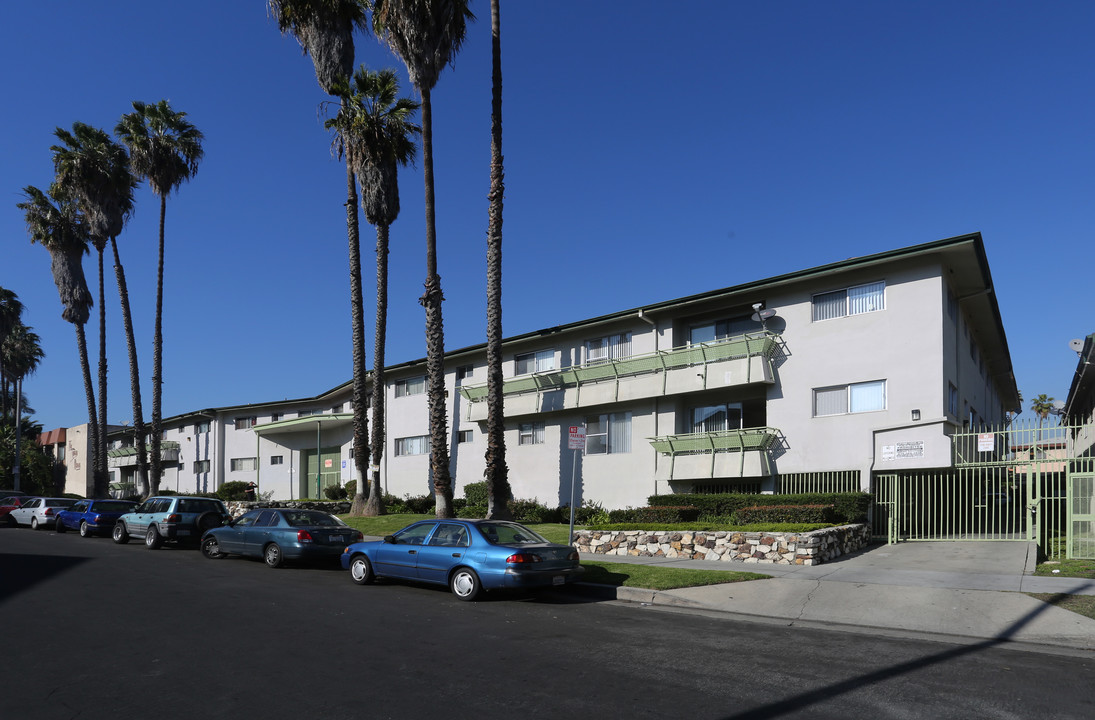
{"points": [[22, 572]]}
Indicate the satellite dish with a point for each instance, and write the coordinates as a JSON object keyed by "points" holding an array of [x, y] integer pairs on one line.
{"points": [[1059, 404], [1076, 345], [762, 315]]}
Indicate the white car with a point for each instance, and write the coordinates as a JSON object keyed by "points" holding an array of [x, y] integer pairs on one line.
{"points": [[40, 511]]}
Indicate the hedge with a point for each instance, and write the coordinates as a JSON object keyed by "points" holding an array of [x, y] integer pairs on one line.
{"points": [[848, 507], [786, 514], [658, 514]]}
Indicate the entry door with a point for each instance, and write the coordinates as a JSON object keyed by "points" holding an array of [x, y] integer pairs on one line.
{"points": [[323, 470], [1081, 516]]}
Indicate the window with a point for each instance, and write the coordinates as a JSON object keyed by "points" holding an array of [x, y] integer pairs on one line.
{"points": [[464, 372], [274, 417], [464, 436], [410, 386], [243, 464], [336, 409], [608, 433], [201, 427], [541, 361], [277, 459], [243, 423], [530, 433], [852, 301], [309, 413], [952, 400], [854, 398], [721, 329], [201, 466], [418, 445], [716, 418], [612, 347]]}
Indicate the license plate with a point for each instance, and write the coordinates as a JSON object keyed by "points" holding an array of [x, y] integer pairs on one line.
{"points": [[338, 538], [558, 580]]}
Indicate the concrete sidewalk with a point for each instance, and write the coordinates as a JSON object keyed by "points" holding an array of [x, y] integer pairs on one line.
{"points": [[966, 592]]}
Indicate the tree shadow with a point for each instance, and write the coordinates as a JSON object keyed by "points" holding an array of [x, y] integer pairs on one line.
{"points": [[23, 572]]}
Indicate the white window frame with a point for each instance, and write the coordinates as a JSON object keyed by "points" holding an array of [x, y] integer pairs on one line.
{"points": [[854, 300], [201, 466], [534, 362], [465, 436], [410, 386], [243, 464], [245, 423], [531, 433], [828, 402], [413, 445], [610, 434], [607, 348]]}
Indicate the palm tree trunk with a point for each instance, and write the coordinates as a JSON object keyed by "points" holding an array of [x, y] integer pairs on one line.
{"points": [[89, 391], [134, 374], [100, 466], [496, 472], [357, 312], [435, 333], [375, 505], [157, 364]]}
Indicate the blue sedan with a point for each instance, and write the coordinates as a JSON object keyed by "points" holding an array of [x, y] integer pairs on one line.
{"points": [[92, 517], [280, 534], [467, 555]]}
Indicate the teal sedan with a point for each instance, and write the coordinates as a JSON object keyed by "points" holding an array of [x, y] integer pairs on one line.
{"points": [[280, 534]]}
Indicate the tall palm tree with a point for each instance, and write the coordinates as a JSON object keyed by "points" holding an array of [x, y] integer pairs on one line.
{"points": [[325, 30], [426, 35], [96, 169], [11, 310], [55, 222], [22, 351], [1041, 406], [164, 149], [496, 472], [377, 124]]}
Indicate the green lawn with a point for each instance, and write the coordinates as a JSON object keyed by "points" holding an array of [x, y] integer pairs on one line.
{"points": [[1082, 604]]}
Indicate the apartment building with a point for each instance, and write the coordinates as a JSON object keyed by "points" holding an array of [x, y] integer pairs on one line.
{"points": [[816, 379]]}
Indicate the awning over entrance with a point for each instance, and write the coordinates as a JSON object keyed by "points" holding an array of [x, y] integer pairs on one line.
{"points": [[302, 424]]}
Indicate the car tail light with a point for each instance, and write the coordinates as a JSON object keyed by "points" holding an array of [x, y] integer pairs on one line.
{"points": [[48, 512], [358, 537], [524, 558], [304, 536], [97, 519], [173, 518], [574, 556]]}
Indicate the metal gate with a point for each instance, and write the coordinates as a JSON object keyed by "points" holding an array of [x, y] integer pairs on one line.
{"points": [[1023, 482]]}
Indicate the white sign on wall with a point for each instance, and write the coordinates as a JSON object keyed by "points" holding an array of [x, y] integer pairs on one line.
{"points": [[911, 450]]}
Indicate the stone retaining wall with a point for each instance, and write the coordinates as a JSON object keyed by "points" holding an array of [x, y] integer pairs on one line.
{"points": [[810, 548], [239, 507]]}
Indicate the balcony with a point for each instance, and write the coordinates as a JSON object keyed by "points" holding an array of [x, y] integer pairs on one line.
{"points": [[723, 454], [127, 456], [739, 360]]}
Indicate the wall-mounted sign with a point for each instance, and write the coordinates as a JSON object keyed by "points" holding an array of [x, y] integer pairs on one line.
{"points": [[986, 442], [911, 450]]}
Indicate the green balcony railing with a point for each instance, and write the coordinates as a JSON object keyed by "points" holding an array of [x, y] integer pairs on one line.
{"points": [[760, 344], [165, 447], [712, 443]]}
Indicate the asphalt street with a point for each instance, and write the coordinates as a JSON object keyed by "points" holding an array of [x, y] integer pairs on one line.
{"points": [[98, 630]]}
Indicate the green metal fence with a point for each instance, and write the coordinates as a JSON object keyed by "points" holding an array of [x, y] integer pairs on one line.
{"points": [[835, 481]]}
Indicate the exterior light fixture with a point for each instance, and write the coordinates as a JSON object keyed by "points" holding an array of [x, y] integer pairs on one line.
{"points": [[916, 415]]}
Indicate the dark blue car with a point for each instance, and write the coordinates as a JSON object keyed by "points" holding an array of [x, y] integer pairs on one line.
{"points": [[467, 555], [280, 534], [92, 517]]}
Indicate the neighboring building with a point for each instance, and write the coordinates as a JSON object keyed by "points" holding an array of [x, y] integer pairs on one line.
{"points": [[1079, 409], [816, 379]]}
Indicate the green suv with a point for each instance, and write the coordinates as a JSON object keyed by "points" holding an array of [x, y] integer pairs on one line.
{"points": [[175, 517]]}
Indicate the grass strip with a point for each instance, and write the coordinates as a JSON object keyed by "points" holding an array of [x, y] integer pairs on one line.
{"points": [[657, 577], [1079, 604]]}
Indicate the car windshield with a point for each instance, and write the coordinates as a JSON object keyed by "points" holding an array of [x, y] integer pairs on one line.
{"points": [[509, 534], [199, 506], [301, 518], [108, 506]]}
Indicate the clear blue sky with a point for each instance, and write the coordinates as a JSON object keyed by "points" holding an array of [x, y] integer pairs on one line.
{"points": [[651, 152]]}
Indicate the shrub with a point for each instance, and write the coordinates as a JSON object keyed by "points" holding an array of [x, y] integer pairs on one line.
{"points": [[474, 511], [786, 514], [334, 492], [531, 511], [232, 490], [849, 507], [351, 488], [666, 514], [420, 504], [476, 493]]}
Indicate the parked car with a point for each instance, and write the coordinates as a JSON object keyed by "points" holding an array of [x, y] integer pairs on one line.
{"points": [[277, 535], [9, 502], [177, 517], [93, 517], [467, 555], [39, 511]]}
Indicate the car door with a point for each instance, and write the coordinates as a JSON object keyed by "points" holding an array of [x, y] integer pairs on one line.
{"points": [[444, 549], [232, 538], [400, 557], [256, 536], [137, 523], [70, 517], [23, 513]]}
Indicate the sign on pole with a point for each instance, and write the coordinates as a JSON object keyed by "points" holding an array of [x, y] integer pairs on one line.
{"points": [[577, 438]]}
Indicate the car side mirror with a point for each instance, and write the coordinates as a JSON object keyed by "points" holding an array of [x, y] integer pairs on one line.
{"points": [[390, 539]]}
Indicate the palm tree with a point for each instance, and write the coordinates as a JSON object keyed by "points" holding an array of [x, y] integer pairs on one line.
{"points": [[325, 30], [496, 472], [1041, 406], [55, 222], [96, 169], [377, 124], [22, 351], [426, 35], [164, 149], [11, 310]]}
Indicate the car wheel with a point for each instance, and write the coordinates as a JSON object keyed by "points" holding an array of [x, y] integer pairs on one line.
{"points": [[120, 534], [34, 523], [272, 555], [152, 539], [59, 526], [207, 521], [211, 548], [464, 584], [84, 529], [361, 570]]}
